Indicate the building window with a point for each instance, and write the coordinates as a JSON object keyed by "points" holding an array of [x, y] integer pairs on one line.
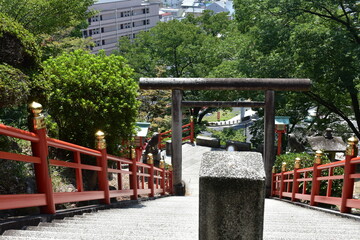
{"points": [[97, 43], [148, 21], [95, 18], [126, 14], [96, 31], [103, 42], [102, 30]]}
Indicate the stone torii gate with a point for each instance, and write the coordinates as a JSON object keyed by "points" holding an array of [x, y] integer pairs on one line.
{"points": [[269, 85]]}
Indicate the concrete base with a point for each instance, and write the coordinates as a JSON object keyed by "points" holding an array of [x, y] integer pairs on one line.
{"points": [[207, 141], [232, 196], [179, 189]]}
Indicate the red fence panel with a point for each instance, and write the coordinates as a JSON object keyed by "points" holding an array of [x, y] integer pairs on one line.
{"points": [[158, 179], [295, 184]]}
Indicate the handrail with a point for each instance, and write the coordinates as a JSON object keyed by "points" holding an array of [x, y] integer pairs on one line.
{"points": [[159, 179], [304, 184], [186, 128]]}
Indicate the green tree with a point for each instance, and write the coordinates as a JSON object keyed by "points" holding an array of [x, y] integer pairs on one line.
{"points": [[172, 49], [315, 39], [46, 16], [91, 92], [19, 60]]}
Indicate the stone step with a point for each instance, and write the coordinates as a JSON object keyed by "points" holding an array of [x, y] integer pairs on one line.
{"points": [[126, 235]]}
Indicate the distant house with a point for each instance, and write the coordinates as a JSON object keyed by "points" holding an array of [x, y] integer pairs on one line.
{"points": [[222, 6], [171, 3], [120, 18]]}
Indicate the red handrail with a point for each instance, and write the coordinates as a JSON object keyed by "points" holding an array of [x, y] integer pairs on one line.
{"points": [[186, 128], [287, 184], [159, 180]]}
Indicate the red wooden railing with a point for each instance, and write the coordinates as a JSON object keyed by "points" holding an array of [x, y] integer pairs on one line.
{"points": [[304, 184], [188, 128], [159, 179]]}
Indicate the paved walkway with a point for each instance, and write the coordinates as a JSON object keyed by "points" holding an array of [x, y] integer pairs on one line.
{"points": [[173, 218]]}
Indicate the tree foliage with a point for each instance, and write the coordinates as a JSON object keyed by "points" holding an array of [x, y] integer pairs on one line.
{"points": [[46, 16], [19, 59], [91, 92], [311, 39]]}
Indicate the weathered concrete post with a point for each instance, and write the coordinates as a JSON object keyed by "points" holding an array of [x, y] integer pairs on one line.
{"points": [[269, 137], [232, 196], [176, 143]]}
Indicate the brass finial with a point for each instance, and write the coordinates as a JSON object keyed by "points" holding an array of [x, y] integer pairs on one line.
{"points": [[297, 163], [38, 119], [133, 153], [191, 118], [150, 158], [170, 168], [162, 164], [283, 167], [273, 169], [351, 148], [100, 142], [318, 156]]}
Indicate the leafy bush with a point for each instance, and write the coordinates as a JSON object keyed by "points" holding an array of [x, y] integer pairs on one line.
{"points": [[91, 92], [229, 134]]}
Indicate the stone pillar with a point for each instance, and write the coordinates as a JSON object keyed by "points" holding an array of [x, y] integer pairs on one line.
{"points": [[176, 142], [232, 196], [269, 137]]}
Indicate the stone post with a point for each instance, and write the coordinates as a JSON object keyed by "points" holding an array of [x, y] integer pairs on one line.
{"points": [[176, 143], [232, 196], [269, 135]]}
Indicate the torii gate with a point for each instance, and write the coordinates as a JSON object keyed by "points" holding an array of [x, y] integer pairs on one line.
{"points": [[269, 85]]}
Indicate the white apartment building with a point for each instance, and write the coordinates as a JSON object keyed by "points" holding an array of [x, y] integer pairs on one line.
{"points": [[119, 18]]}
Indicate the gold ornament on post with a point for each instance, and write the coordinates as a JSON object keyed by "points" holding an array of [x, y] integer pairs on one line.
{"points": [[318, 156], [297, 163], [351, 148], [162, 164], [170, 168], [100, 142], [150, 159], [283, 167], [133, 154], [38, 119], [273, 169]]}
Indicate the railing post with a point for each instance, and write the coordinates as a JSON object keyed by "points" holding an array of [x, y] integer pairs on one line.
{"points": [[162, 183], [171, 179], [192, 130], [348, 184], [295, 185], [133, 178], [100, 144], [282, 183], [40, 149], [273, 181], [150, 161], [315, 186]]}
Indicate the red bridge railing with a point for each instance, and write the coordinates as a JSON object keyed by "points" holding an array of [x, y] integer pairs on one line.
{"points": [[188, 129], [159, 180], [304, 184]]}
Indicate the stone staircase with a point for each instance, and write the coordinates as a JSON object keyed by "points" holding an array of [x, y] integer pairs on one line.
{"points": [[173, 218], [164, 218]]}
